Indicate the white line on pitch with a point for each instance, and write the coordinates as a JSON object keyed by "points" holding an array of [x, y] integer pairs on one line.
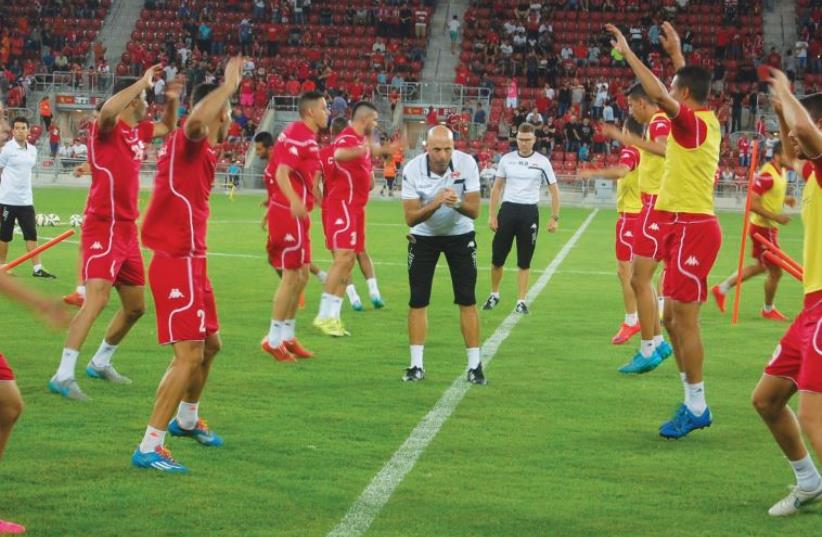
{"points": [[365, 509]]}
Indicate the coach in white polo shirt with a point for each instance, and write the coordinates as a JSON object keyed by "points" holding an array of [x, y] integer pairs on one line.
{"points": [[441, 199], [520, 176], [17, 158]]}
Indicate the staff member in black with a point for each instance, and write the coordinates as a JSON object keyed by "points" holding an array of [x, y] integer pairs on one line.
{"points": [[520, 175], [441, 200]]}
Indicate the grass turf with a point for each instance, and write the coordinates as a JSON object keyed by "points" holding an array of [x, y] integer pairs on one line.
{"points": [[558, 443]]}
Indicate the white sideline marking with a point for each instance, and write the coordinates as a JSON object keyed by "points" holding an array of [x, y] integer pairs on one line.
{"points": [[366, 508]]}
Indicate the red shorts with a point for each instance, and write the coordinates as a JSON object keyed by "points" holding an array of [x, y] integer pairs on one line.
{"points": [[289, 239], [344, 226], [625, 231], [757, 250], [690, 246], [5, 369], [798, 356], [112, 252], [648, 231], [183, 299]]}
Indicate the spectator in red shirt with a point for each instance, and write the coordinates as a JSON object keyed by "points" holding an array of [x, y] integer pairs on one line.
{"points": [[272, 35], [744, 148], [357, 90], [292, 87], [308, 85]]}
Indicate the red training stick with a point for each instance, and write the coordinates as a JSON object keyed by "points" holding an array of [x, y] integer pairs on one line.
{"points": [[777, 252], [784, 265], [45, 246], [745, 224]]}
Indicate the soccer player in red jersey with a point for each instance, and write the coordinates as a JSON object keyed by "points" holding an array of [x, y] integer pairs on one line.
{"points": [[767, 199], [11, 403], [629, 207], [796, 364], [174, 228], [290, 179], [344, 202], [111, 251]]}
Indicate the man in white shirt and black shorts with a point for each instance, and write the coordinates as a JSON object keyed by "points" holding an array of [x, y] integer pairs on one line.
{"points": [[441, 199], [17, 158], [520, 175]]}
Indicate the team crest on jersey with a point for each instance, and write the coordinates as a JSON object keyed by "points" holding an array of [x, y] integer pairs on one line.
{"points": [[455, 174], [96, 246], [176, 293], [692, 261]]}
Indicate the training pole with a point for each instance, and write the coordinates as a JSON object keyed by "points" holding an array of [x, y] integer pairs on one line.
{"points": [[45, 246], [745, 227], [784, 265], [776, 251]]}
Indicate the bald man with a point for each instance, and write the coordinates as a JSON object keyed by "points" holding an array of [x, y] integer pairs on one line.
{"points": [[441, 200], [345, 197]]}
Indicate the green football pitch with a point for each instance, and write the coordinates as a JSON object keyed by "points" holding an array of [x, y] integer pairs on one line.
{"points": [[558, 443]]}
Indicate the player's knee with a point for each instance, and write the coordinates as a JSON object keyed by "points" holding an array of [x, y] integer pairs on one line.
{"points": [[766, 405], [212, 347], [11, 411], [134, 312], [774, 273]]}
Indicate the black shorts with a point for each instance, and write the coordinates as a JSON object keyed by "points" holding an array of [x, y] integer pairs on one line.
{"points": [[23, 215], [460, 252], [520, 221]]}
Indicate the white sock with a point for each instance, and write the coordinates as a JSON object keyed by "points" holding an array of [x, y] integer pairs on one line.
{"points": [[416, 356], [275, 333], [351, 291], [647, 347], [473, 357], [767, 308], [102, 357], [807, 476], [37, 267], [373, 290], [495, 294], [288, 330], [631, 319], [325, 306], [336, 306], [660, 303], [67, 364], [658, 340], [322, 275], [81, 290], [152, 439], [684, 378], [696, 398], [187, 415], [724, 287]]}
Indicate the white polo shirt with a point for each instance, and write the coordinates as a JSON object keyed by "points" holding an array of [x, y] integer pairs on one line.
{"points": [[419, 182], [15, 181], [524, 176]]}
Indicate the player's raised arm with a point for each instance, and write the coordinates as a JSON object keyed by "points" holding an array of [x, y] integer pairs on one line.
{"points": [[797, 118], [614, 172], [653, 87], [629, 138], [213, 104], [672, 45], [788, 154], [169, 121], [119, 101]]}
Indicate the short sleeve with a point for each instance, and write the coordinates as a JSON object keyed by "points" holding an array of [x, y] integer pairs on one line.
{"points": [[409, 188], [629, 159], [346, 141], [472, 182], [817, 166], [501, 171], [548, 172], [688, 129], [146, 131], [763, 183], [659, 127], [4, 155]]}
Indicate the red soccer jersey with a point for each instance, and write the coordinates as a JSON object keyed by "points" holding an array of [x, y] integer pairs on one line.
{"points": [[115, 159], [352, 181], [327, 167], [176, 221], [296, 148]]}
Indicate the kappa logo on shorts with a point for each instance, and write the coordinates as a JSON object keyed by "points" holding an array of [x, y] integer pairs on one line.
{"points": [[339, 222], [654, 227], [692, 261], [97, 246], [176, 293], [289, 238], [628, 234]]}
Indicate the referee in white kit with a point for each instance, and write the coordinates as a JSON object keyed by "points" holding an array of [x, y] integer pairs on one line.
{"points": [[520, 176], [441, 199], [17, 158]]}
